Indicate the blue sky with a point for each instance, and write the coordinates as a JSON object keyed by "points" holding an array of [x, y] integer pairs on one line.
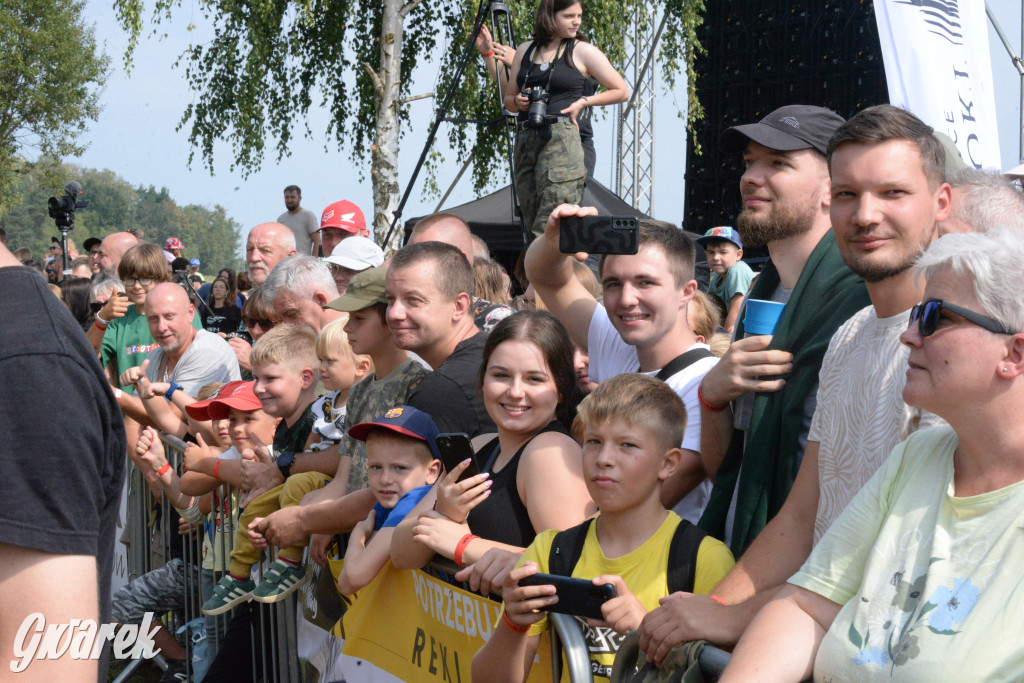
{"points": [[135, 135]]}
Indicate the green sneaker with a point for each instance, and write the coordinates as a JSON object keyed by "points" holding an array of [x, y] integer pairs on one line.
{"points": [[279, 581], [227, 593]]}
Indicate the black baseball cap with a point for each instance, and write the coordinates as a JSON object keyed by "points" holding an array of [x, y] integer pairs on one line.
{"points": [[91, 242], [795, 126]]}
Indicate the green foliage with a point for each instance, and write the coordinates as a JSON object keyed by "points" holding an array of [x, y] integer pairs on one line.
{"points": [[115, 205], [50, 73], [256, 79]]}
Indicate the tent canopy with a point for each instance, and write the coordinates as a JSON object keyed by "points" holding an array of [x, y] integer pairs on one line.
{"points": [[491, 217]]}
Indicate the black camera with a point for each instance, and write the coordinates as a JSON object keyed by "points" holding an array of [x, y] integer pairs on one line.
{"points": [[537, 115], [62, 209]]}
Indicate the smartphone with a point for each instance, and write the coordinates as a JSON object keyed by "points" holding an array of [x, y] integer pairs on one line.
{"points": [[578, 597], [454, 448], [598, 235]]}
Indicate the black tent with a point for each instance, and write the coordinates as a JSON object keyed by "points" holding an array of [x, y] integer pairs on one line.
{"points": [[491, 216]]}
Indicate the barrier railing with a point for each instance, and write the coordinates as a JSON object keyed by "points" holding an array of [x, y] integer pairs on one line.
{"points": [[152, 540]]}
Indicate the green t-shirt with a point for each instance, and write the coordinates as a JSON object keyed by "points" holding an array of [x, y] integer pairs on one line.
{"points": [[127, 342], [736, 281]]}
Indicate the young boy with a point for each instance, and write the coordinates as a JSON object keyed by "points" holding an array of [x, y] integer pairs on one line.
{"points": [[283, 362], [340, 368], [730, 277], [632, 426], [403, 463]]}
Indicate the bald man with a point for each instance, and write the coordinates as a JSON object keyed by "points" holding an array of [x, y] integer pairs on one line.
{"points": [[184, 361], [267, 244], [111, 249], [450, 229], [300, 287]]}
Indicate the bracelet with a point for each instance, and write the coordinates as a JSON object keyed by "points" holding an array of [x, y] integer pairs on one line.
{"points": [[513, 626], [164, 470], [719, 600], [98, 325], [100, 322], [485, 55], [708, 405], [174, 386], [460, 548], [216, 469]]}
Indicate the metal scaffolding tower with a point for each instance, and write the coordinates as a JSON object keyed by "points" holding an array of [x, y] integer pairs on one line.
{"points": [[634, 172]]}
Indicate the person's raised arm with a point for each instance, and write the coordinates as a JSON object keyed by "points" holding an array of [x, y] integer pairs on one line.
{"points": [[551, 274], [793, 625]]}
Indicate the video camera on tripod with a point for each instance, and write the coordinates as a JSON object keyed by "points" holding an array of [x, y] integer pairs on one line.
{"points": [[62, 209]]}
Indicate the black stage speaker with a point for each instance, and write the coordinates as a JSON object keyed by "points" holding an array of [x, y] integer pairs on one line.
{"points": [[762, 55]]}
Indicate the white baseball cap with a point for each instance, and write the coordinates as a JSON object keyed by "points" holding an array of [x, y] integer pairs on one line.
{"points": [[356, 253]]}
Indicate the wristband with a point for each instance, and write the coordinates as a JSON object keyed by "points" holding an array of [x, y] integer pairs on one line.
{"points": [[100, 322], [708, 405], [117, 394], [174, 386], [460, 548], [485, 55], [513, 626], [719, 600], [216, 469], [164, 470]]}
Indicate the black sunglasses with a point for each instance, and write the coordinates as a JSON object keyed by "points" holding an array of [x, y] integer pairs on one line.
{"points": [[262, 322], [927, 315]]}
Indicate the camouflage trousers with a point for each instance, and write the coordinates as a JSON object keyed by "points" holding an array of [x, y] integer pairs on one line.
{"points": [[161, 590], [549, 171]]}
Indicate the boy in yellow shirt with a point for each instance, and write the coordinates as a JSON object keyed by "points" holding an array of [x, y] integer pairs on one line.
{"points": [[632, 427]]}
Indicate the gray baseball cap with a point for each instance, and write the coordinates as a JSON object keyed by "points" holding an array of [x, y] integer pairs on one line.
{"points": [[795, 126]]}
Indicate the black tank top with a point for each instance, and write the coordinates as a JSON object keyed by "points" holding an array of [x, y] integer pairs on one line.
{"points": [[502, 517], [566, 83]]}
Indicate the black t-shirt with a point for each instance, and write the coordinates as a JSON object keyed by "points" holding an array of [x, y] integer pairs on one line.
{"points": [[224, 319], [451, 393], [62, 441]]}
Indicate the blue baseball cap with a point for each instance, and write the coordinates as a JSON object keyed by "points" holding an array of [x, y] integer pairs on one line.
{"points": [[404, 420], [194, 262], [723, 232]]}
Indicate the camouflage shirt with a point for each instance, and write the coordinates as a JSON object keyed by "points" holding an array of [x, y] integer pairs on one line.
{"points": [[371, 398]]}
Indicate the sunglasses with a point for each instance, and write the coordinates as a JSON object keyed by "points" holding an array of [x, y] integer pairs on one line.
{"points": [[928, 313], [251, 323]]}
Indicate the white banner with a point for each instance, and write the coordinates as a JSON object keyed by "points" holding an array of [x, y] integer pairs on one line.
{"points": [[937, 65]]}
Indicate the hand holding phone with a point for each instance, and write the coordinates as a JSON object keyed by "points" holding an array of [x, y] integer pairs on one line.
{"points": [[578, 597], [598, 235], [456, 448]]}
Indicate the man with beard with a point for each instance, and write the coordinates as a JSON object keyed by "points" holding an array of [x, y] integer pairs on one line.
{"points": [[302, 222], [757, 403], [888, 198]]}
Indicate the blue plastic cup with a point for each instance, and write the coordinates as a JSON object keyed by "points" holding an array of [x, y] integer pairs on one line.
{"points": [[762, 316]]}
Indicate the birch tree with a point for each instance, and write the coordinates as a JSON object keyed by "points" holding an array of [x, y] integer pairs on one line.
{"points": [[268, 60]]}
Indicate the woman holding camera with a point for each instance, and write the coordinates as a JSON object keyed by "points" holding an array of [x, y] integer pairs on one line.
{"points": [[549, 92]]}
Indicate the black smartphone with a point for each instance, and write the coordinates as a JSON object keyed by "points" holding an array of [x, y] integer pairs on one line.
{"points": [[454, 448], [578, 597], [598, 235]]}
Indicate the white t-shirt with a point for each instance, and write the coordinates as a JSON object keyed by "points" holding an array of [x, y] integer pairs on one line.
{"points": [[932, 585], [861, 415], [610, 356]]}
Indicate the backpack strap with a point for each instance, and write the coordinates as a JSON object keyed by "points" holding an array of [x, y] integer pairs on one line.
{"points": [[682, 557], [683, 361], [566, 549]]}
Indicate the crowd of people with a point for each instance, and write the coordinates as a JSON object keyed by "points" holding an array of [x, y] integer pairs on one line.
{"points": [[845, 492]]}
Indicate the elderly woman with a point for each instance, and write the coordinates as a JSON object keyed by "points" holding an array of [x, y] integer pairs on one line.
{"points": [[922, 576]]}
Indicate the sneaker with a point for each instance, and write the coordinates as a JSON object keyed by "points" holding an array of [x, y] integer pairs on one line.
{"points": [[279, 581], [227, 593], [176, 672]]}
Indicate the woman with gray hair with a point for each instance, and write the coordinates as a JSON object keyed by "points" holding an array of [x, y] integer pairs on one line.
{"points": [[922, 576]]}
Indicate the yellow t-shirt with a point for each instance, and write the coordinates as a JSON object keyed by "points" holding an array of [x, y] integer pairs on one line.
{"points": [[643, 570]]}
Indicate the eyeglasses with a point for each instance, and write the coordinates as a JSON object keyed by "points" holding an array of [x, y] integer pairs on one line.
{"points": [[251, 323], [927, 315], [144, 281]]}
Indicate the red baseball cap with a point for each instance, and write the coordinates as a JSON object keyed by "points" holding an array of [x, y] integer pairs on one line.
{"points": [[238, 395], [344, 215], [173, 243]]}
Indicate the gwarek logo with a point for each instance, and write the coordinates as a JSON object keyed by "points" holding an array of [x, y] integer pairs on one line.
{"points": [[79, 639]]}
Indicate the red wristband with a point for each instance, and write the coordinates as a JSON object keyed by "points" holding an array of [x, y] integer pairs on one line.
{"points": [[707, 404], [216, 468], [513, 626], [485, 55], [164, 470], [460, 548], [719, 600]]}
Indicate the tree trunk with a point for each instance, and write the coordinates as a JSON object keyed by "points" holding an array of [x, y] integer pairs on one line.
{"points": [[384, 151]]}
